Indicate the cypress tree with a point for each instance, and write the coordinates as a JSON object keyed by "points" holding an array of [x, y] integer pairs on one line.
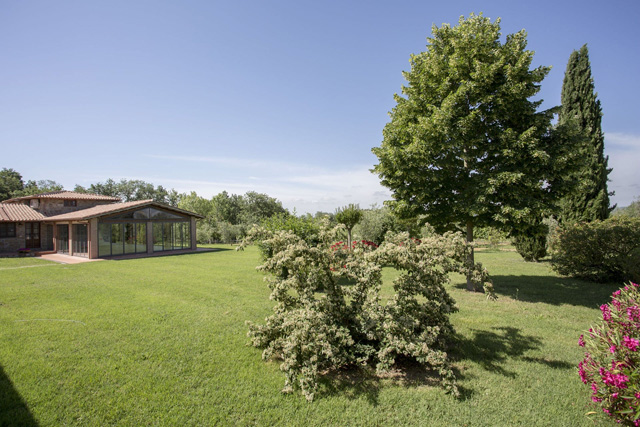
{"points": [[590, 200]]}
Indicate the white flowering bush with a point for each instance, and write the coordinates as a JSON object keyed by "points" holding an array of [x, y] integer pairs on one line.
{"points": [[329, 313]]}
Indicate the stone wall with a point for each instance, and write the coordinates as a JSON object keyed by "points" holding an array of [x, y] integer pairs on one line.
{"points": [[12, 244], [51, 207]]}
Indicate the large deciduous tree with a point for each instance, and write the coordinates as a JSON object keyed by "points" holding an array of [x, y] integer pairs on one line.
{"points": [[580, 104], [10, 182], [465, 145]]}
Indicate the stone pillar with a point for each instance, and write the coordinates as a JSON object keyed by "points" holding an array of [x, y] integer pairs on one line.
{"points": [[70, 226], [92, 235], [55, 237]]}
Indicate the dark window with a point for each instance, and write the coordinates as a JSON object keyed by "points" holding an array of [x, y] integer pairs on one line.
{"points": [[71, 203], [8, 229]]}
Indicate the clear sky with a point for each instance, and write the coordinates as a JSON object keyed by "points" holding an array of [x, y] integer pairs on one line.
{"points": [[281, 97]]}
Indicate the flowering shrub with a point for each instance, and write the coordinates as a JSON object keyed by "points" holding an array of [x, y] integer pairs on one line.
{"points": [[328, 312], [611, 365]]}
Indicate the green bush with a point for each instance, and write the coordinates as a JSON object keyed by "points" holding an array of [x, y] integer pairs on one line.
{"points": [[306, 227], [329, 313], [531, 243], [601, 251]]}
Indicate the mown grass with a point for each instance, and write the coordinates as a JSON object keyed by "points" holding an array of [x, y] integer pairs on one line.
{"points": [[162, 341]]}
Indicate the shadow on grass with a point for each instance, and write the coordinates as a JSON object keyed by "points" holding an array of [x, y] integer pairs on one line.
{"points": [[491, 349], [200, 251], [552, 290], [13, 410], [356, 383]]}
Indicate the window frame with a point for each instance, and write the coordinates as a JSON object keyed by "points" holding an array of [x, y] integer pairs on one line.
{"points": [[4, 230]]}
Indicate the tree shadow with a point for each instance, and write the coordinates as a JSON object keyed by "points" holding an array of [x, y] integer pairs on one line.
{"points": [[552, 290], [13, 409], [355, 382], [492, 350]]}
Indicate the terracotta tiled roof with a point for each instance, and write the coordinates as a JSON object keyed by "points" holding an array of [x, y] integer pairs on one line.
{"points": [[64, 195], [102, 210], [18, 213]]}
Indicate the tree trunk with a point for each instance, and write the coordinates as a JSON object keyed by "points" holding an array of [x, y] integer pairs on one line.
{"points": [[470, 286], [349, 238]]}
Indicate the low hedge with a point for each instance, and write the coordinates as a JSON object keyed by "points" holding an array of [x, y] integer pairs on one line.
{"points": [[600, 251]]}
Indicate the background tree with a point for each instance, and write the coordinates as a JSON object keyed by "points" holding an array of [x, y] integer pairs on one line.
{"points": [[465, 146], [129, 190], [227, 208], [349, 216], [580, 104], [38, 187], [632, 210], [259, 206], [10, 182]]}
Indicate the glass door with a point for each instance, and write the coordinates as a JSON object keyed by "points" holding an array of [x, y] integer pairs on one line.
{"points": [[62, 244], [32, 234], [80, 246]]}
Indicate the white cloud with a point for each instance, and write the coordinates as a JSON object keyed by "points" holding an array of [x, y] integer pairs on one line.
{"points": [[624, 157], [307, 188]]}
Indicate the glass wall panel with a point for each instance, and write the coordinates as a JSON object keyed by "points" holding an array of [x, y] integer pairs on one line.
{"points": [[117, 242], [187, 235], [157, 236], [141, 214], [47, 242], [177, 235], [141, 238], [167, 229], [62, 238], [129, 238], [158, 214], [80, 240], [104, 239]]}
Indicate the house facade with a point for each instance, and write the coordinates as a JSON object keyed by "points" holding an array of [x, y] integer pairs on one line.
{"points": [[93, 226]]}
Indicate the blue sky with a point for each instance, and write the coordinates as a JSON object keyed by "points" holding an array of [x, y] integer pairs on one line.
{"points": [[281, 97]]}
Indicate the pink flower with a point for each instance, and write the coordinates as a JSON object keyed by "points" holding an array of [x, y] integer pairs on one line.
{"points": [[631, 343], [581, 341], [615, 380], [606, 312], [633, 313], [582, 373], [612, 349]]}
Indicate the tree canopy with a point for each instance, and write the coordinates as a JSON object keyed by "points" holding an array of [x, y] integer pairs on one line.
{"points": [[12, 185], [581, 106], [10, 182], [132, 189], [465, 145], [349, 216]]}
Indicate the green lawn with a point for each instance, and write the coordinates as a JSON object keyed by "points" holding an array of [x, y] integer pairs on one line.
{"points": [[162, 341]]}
